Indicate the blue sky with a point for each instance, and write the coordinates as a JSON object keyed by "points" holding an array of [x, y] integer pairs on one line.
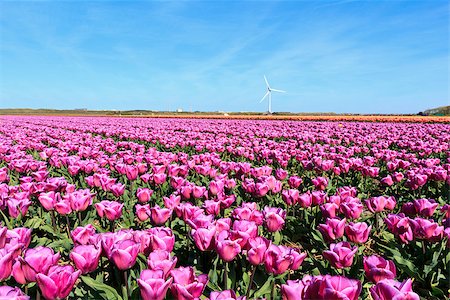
{"points": [[330, 56]]}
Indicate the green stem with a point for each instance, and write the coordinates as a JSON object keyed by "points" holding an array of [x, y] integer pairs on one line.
{"points": [[113, 226], [249, 288], [101, 266], [378, 222], [68, 225], [127, 288], [225, 276], [188, 241], [131, 189], [52, 215], [272, 292]]}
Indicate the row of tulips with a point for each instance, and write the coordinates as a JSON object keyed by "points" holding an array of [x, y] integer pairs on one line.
{"points": [[127, 208]]}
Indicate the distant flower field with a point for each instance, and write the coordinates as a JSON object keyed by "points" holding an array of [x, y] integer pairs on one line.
{"points": [[145, 208]]}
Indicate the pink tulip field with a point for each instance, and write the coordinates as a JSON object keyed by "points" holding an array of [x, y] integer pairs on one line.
{"points": [[142, 208]]}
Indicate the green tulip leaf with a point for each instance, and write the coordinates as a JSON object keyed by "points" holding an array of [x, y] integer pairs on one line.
{"points": [[265, 289], [105, 291]]}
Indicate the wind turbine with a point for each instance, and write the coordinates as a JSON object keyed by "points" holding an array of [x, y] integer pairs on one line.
{"points": [[269, 93]]}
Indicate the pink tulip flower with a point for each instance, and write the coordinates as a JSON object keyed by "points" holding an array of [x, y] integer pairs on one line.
{"points": [[161, 260], [63, 206], [329, 210], [204, 238], [225, 295], [258, 247], [34, 261], [49, 199], [144, 194], [305, 200], [294, 181], [279, 259], [357, 232], [340, 255], [160, 215], [332, 287], [84, 235], [216, 187], [159, 179], [12, 293], [58, 282], [172, 201], [143, 212], [387, 180], [318, 197], [186, 285], [200, 220], [400, 226], [425, 207], [124, 254], [198, 191], [226, 248], [377, 268], [212, 207], [376, 204], [320, 183], [112, 210], [274, 218], [117, 189], [86, 257], [222, 224], [293, 289], [7, 257], [333, 229], [388, 289], [131, 172], [291, 196], [427, 229], [261, 189], [18, 235], [80, 200], [152, 284], [281, 174], [243, 230], [248, 211], [161, 238], [18, 206]]}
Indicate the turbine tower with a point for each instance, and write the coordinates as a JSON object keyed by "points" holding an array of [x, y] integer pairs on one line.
{"points": [[269, 93]]}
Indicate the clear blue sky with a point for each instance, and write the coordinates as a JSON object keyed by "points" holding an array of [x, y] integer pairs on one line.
{"points": [[341, 56]]}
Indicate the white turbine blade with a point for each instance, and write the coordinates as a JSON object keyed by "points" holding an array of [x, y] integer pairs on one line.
{"points": [[264, 97], [280, 91], [266, 81]]}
